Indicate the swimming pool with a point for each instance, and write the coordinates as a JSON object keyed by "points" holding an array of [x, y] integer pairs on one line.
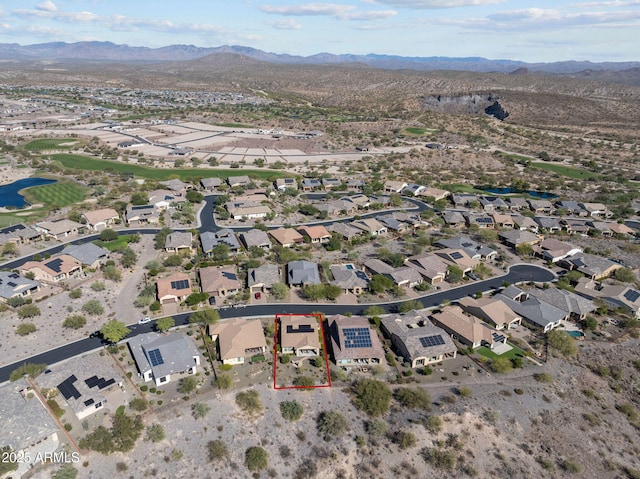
{"points": [[575, 334]]}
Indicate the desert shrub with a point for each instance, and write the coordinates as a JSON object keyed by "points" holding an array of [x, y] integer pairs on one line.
{"points": [[224, 381], [255, 458], [543, 377], [371, 396], [433, 424], [28, 311], [465, 392], [155, 433], [200, 410], [187, 385], [413, 398], [249, 401], [217, 450], [75, 321], [24, 329], [291, 410], [404, 439], [332, 424], [98, 286], [377, 427], [138, 404], [75, 293], [445, 460], [93, 307], [303, 381]]}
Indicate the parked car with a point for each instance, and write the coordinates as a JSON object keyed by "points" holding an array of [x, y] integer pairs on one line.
{"points": [[212, 300], [258, 295], [144, 320]]}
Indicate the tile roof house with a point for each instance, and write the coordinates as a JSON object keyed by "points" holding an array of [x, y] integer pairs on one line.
{"points": [[540, 207], [392, 224], [454, 218], [240, 180], [59, 229], [286, 237], [502, 220], [533, 310], [621, 229], [435, 193], [481, 220], [417, 340], [316, 234], [88, 254], [97, 220], [351, 280], [158, 357], [209, 240], [592, 266], [53, 270], [246, 209], [353, 342], [469, 330], [299, 335], [219, 281], [575, 226], [596, 210], [163, 199], [516, 203], [371, 226], [176, 185], [391, 186], [179, 242], [282, 184], [464, 199], [573, 208], [492, 203], [602, 227], [360, 201], [346, 231], [515, 238], [577, 307], [457, 257], [413, 189], [548, 223], [19, 234], [551, 249], [238, 339], [302, 272], [310, 184], [12, 285], [614, 295], [430, 266], [262, 278], [524, 223], [210, 184], [256, 238], [492, 310], [472, 248], [331, 183], [174, 288], [136, 215]]}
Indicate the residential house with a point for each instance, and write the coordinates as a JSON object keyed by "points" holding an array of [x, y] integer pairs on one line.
{"points": [[392, 224], [238, 340], [620, 229], [614, 295], [548, 223], [413, 189], [516, 203], [533, 310], [406, 277], [19, 234], [336, 207], [353, 342], [431, 267], [412, 219], [551, 249], [502, 220], [596, 210], [310, 184], [179, 242], [540, 207], [262, 278], [572, 207], [392, 186], [12, 285], [482, 220], [282, 184], [577, 307], [174, 288], [380, 201], [515, 238], [575, 226], [59, 229], [239, 210], [492, 310], [602, 227], [27, 427], [468, 330], [355, 184], [454, 219], [331, 183], [163, 199], [350, 279], [219, 281], [177, 186], [141, 215], [346, 231], [464, 199], [436, 193], [88, 254], [53, 270], [458, 258], [492, 203], [210, 184], [417, 340], [241, 180], [524, 223], [316, 234], [158, 357], [360, 201], [302, 272], [592, 266], [256, 238], [371, 226], [473, 249], [299, 335], [286, 237], [209, 240], [97, 220]]}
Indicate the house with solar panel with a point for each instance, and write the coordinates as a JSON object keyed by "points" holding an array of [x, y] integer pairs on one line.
{"points": [[614, 295], [592, 266], [353, 342], [19, 234], [174, 288], [417, 339], [219, 281], [468, 330], [12, 285], [299, 335], [137, 215], [162, 358], [53, 270]]}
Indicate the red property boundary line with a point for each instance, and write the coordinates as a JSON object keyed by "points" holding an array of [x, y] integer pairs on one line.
{"points": [[319, 319]]}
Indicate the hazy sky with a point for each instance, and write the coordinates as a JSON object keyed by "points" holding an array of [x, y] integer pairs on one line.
{"points": [[529, 30]]}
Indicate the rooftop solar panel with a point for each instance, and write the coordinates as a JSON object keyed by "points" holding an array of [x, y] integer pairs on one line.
{"points": [[430, 341], [357, 338], [88, 402], [303, 328], [456, 255], [632, 295], [181, 284], [92, 381], [155, 357], [67, 389], [108, 383], [12, 284], [54, 265]]}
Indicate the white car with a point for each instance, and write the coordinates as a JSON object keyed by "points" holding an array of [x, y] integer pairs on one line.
{"points": [[144, 320]]}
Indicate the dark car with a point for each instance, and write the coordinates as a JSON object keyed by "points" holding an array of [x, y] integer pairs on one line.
{"points": [[95, 334], [212, 300]]}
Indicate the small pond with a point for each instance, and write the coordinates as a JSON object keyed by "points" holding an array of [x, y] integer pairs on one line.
{"points": [[10, 196]]}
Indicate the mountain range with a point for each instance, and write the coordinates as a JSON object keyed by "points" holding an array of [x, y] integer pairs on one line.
{"points": [[111, 52]]}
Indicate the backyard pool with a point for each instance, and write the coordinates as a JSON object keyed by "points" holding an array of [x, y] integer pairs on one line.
{"points": [[575, 334]]}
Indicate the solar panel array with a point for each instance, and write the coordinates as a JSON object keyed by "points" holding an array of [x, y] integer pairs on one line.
{"points": [[101, 383], [302, 328], [430, 341], [456, 255], [357, 338], [155, 356], [181, 284], [67, 389], [54, 265], [632, 295], [484, 220]]}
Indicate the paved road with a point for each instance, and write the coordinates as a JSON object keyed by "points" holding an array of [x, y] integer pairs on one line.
{"points": [[517, 274]]}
